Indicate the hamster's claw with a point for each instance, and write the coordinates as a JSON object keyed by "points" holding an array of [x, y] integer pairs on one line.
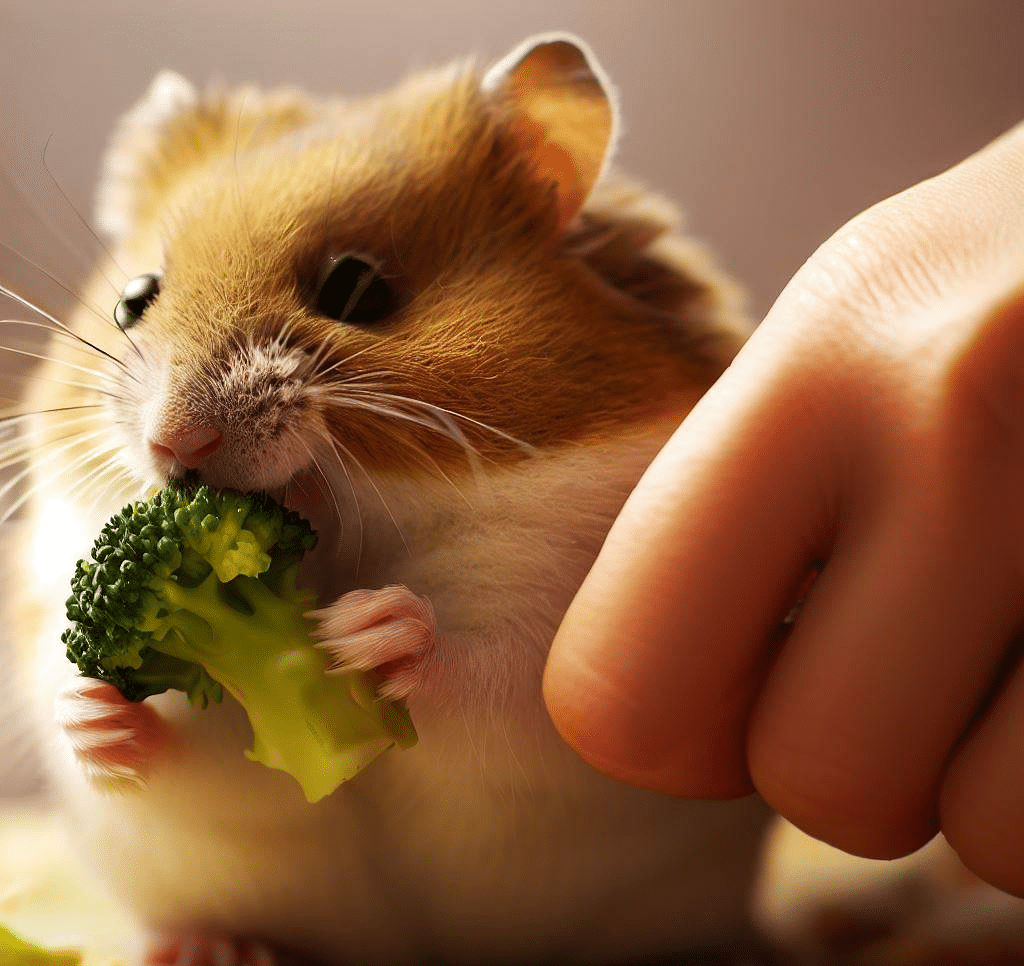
{"points": [[112, 738], [205, 949], [390, 631]]}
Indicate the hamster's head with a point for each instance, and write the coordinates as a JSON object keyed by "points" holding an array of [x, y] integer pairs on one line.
{"points": [[406, 284]]}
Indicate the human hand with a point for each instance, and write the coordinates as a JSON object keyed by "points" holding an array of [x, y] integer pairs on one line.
{"points": [[872, 428]]}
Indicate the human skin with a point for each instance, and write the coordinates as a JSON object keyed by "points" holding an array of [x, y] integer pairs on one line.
{"points": [[871, 429]]}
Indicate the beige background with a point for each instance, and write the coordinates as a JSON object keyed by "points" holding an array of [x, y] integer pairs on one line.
{"points": [[770, 121]]}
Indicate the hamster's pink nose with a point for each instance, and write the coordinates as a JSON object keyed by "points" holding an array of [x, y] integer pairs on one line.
{"points": [[189, 444]]}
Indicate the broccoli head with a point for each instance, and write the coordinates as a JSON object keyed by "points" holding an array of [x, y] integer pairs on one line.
{"points": [[195, 590]]}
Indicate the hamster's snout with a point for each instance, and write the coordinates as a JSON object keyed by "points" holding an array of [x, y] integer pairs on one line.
{"points": [[188, 444]]}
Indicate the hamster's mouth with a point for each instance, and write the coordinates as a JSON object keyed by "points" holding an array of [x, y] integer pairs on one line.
{"points": [[296, 492], [305, 493]]}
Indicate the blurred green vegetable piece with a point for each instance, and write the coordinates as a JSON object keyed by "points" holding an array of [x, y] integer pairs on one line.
{"points": [[15, 951]]}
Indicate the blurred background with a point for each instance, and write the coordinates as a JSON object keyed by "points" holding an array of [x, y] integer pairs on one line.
{"points": [[770, 122]]}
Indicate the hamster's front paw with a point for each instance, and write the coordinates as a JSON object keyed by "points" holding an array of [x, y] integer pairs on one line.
{"points": [[390, 631], [206, 949], [113, 738]]}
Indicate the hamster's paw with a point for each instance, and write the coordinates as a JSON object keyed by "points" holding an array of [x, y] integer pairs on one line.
{"points": [[208, 949], [112, 738], [390, 631]]}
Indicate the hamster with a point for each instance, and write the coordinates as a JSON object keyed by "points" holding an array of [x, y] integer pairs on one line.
{"points": [[437, 324]]}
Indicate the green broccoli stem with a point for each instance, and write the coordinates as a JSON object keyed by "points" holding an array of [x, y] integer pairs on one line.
{"points": [[320, 726]]}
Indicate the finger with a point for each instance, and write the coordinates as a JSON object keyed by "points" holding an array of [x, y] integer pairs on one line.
{"points": [[982, 798], [894, 651], [983, 791], [660, 656]]}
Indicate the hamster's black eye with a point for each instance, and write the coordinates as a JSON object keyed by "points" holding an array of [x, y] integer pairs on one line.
{"points": [[135, 299], [354, 291]]}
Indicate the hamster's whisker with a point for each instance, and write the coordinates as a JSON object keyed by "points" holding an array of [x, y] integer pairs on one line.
{"points": [[9, 511], [370, 405], [361, 379], [78, 341], [434, 423], [71, 339], [82, 220], [431, 464], [82, 481], [437, 421], [117, 489], [380, 495], [13, 456], [15, 442], [85, 457], [453, 432], [9, 418], [322, 351], [97, 474], [10, 428], [18, 449], [326, 437], [316, 357], [47, 221], [335, 446], [320, 470], [87, 351], [366, 403], [49, 457], [96, 390], [56, 323], [104, 377], [526, 447], [102, 316], [364, 384], [280, 341]]}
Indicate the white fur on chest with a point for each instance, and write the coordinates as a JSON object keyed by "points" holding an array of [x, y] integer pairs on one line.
{"points": [[489, 841]]}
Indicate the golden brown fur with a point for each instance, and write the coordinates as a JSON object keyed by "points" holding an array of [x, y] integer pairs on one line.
{"points": [[433, 182]]}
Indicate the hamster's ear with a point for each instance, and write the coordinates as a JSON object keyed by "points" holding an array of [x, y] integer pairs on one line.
{"points": [[173, 130], [564, 113], [134, 150]]}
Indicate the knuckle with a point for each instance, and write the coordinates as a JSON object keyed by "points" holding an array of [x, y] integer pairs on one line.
{"points": [[878, 265], [984, 384]]}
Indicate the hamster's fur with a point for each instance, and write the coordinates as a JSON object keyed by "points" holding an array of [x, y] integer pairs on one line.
{"points": [[546, 331]]}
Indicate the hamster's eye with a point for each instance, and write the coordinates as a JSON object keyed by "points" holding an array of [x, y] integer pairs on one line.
{"points": [[354, 291], [135, 299]]}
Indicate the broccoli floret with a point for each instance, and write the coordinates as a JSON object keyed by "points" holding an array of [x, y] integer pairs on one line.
{"points": [[195, 590]]}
